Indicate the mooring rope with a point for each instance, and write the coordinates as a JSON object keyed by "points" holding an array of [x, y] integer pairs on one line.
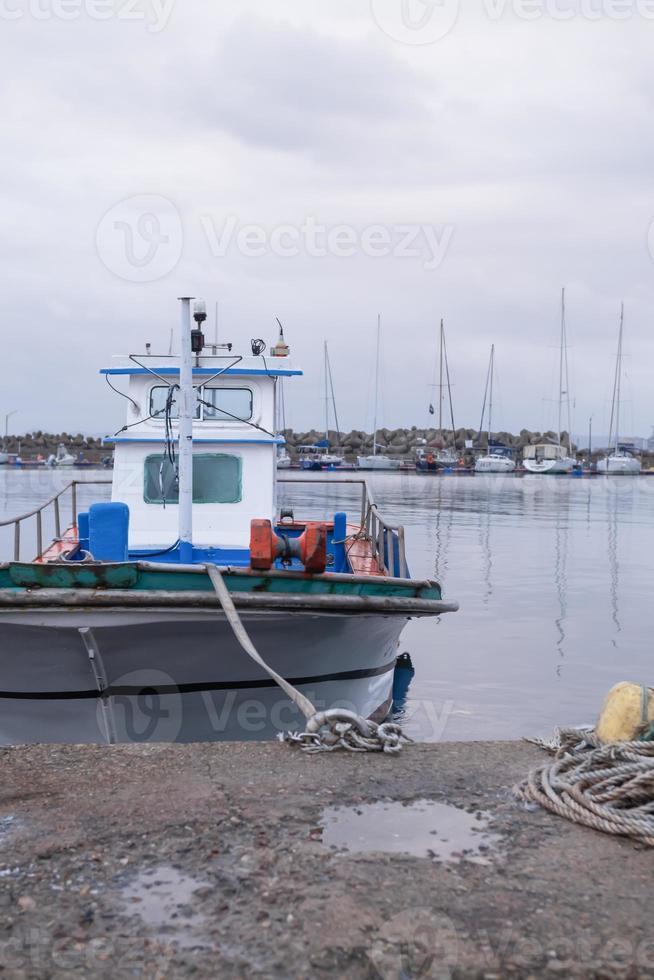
{"points": [[606, 787], [326, 731]]}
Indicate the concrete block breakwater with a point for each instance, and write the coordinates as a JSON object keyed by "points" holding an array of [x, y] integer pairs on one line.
{"points": [[405, 442]]}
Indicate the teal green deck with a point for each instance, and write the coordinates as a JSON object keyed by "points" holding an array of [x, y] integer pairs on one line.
{"points": [[134, 578]]}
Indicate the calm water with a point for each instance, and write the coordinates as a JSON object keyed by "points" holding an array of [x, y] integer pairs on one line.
{"points": [[554, 577]]}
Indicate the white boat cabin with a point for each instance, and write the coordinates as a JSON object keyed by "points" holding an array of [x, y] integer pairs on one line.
{"points": [[235, 447]]}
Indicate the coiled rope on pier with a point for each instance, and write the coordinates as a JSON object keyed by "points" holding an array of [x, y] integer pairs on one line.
{"points": [[326, 731], [606, 787]]}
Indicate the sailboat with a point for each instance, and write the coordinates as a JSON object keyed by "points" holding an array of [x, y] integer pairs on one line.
{"points": [[428, 461], [318, 456], [548, 457], [378, 461], [620, 461], [494, 461]]}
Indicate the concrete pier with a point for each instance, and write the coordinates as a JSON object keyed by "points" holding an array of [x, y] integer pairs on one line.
{"points": [[210, 861]]}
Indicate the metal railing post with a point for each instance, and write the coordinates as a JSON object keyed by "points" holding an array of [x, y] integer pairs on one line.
{"points": [[39, 533], [57, 517], [17, 541], [73, 500]]}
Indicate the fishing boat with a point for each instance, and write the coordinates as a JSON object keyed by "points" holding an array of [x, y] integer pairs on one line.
{"points": [[621, 461], [122, 629], [555, 458], [377, 461], [433, 460], [497, 459]]}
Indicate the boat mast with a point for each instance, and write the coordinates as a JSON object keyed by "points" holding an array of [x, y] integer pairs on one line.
{"points": [[440, 384], [333, 396], [449, 387], [619, 383], [485, 402], [186, 412], [490, 403], [326, 355], [561, 361], [374, 438]]}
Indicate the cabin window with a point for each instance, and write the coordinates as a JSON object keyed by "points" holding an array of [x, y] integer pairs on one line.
{"points": [[215, 404], [158, 398], [227, 404], [217, 479]]}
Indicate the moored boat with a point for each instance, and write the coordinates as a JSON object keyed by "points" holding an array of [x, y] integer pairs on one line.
{"points": [[555, 458], [497, 458], [620, 461], [434, 459], [118, 632], [377, 460]]}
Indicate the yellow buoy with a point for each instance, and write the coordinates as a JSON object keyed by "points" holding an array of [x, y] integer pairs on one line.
{"points": [[627, 713]]}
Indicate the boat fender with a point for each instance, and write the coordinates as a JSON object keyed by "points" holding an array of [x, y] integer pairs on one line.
{"points": [[266, 547], [627, 714]]}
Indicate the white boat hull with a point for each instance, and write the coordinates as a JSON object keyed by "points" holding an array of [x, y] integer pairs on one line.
{"points": [[619, 466], [378, 463], [564, 465], [179, 675], [494, 464]]}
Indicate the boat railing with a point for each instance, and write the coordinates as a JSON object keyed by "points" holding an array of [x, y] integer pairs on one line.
{"points": [[37, 514], [387, 540]]}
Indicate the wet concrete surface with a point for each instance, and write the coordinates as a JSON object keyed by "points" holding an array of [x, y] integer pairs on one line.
{"points": [[216, 861]]}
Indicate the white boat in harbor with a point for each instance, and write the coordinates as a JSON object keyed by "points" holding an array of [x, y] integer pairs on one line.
{"points": [[555, 458], [377, 461], [61, 458], [620, 462], [494, 461], [123, 629]]}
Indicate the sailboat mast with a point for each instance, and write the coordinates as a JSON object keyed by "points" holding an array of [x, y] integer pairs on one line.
{"points": [[449, 388], [333, 397], [561, 361], [326, 355], [619, 383], [490, 403], [440, 383], [483, 407], [374, 438]]}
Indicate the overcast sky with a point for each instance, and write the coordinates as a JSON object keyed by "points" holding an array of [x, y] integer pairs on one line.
{"points": [[325, 161]]}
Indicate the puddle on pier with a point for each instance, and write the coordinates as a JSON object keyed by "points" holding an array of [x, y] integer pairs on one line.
{"points": [[164, 900], [421, 829]]}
